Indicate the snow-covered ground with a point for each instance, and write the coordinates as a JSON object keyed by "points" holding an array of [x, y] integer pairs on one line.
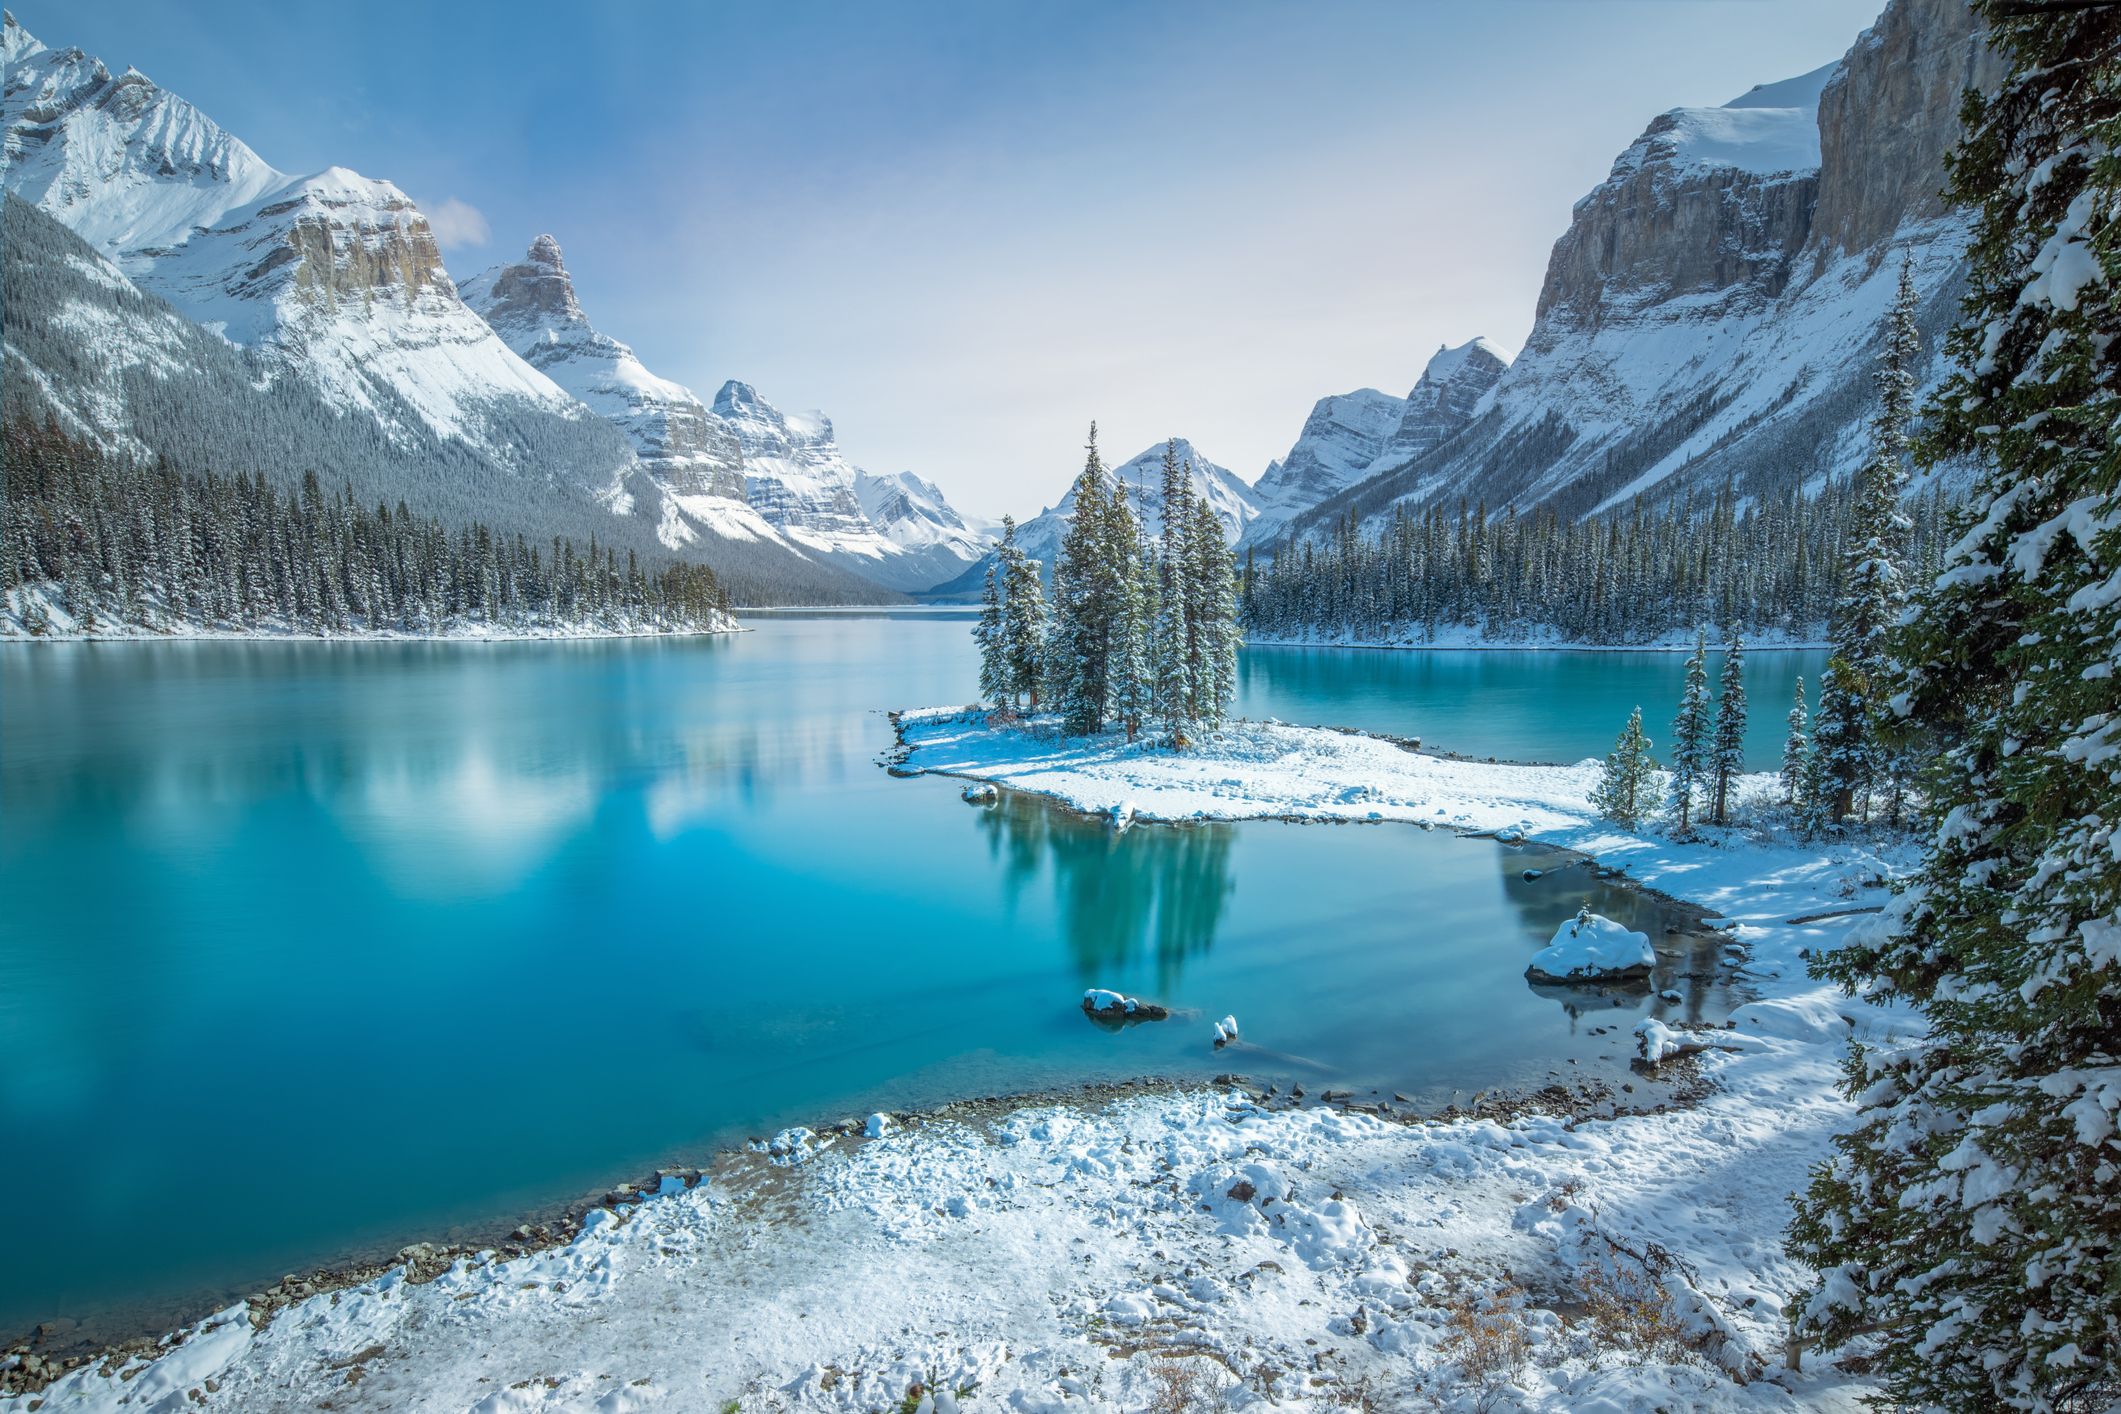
{"points": [[1080, 1256]]}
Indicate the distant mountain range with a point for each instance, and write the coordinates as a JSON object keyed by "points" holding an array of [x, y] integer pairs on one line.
{"points": [[1709, 316], [369, 362], [1713, 311]]}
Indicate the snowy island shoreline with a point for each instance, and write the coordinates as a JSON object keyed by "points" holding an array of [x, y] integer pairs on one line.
{"points": [[1069, 1254]]}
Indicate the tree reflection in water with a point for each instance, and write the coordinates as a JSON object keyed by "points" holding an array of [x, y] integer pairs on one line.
{"points": [[1160, 888]]}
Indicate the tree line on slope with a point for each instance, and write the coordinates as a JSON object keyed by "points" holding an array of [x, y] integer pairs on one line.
{"points": [[1854, 763], [1143, 631], [113, 544], [180, 393], [1761, 569]]}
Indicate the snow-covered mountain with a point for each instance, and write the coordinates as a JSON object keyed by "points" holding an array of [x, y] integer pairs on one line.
{"points": [[1143, 479], [692, 456], [1351, 437], [935, 540], [335, 275], [331, 289], [741, 470], [1713, 309]]}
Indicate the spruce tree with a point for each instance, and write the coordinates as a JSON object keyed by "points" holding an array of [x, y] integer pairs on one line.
{"points": [[1174, 704], [1133, 676], [1690, 736], [1727, 753], [994, 682], [1796, 753], [1974, 1213], [1627, 787], [1220, 635], [1024, 627], [1078, 652], [1842, 744]]}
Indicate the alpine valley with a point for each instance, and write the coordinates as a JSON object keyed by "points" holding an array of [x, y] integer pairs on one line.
{"points": [[170, 295]]}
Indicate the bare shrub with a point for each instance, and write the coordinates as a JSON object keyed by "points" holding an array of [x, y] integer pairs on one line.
{"points": [[1629, 1306], [1486, 1337], [1184, 1387]]}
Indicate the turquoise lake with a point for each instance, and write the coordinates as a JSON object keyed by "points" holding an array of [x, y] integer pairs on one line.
{"points": [[312, 950]]}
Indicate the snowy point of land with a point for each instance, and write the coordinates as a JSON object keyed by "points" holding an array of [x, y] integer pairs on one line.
{"points": [[1050, 1257]]}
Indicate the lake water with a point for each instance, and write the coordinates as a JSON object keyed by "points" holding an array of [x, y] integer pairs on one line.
{"points": [[312, 950]]}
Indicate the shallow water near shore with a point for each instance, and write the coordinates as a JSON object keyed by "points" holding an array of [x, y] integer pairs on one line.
{"points": [[312, 950]]}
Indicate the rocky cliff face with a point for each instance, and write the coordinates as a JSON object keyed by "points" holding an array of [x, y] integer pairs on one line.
{"points": [[1450, 391], [531, 304], [1890, 110], [1712, 312]]}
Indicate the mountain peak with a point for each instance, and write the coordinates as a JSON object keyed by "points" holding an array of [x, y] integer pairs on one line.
{"points": [[545, 250], [15, 41]]}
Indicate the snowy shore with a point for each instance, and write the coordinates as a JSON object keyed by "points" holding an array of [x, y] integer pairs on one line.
{"points": [[1058, 1256], [1459, 638]]}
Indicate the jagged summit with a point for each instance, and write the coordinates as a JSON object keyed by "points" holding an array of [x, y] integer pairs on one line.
{"points": [[1351, 437]]}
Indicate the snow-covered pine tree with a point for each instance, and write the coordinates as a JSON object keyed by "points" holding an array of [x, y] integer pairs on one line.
{"points": [[1974, 1213], [1078, 646], [1796, 753], [1873, 576], [1220, 635], [1173, 671], [994, 681], [1024, 626], [1841, 756], [1627, 787], [1133, 675], [1727, 752], [1690, 736]]}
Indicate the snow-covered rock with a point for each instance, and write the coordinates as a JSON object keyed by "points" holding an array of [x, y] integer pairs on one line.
{"points": [[1117, 1006], [1593, 948]]}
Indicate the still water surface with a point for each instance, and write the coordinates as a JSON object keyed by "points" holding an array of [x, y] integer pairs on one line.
{"points": [[310, 950]]}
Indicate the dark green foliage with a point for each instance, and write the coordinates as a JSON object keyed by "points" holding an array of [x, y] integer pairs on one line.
{"points": [[149, 548], [1974, 1213]]}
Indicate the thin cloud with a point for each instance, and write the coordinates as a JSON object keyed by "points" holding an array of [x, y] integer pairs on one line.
{"points": [[458, 223]]}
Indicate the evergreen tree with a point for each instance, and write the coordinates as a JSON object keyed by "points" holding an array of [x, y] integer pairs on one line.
{"points": [[1690, 736], [1133, 674], [1174, 674], [1873, 577], [1627, 787], [1078, 651], [1974, 1213], [1024, 627], [1727, 753], [1219, 635], [1796, 753], [1842, 744], [994, 683]]}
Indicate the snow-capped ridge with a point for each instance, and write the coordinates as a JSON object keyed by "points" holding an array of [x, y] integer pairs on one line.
{"points": [[1711, 313]]}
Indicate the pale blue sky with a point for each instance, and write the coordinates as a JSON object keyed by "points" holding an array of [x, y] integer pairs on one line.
{"points": [[964, 230]]}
